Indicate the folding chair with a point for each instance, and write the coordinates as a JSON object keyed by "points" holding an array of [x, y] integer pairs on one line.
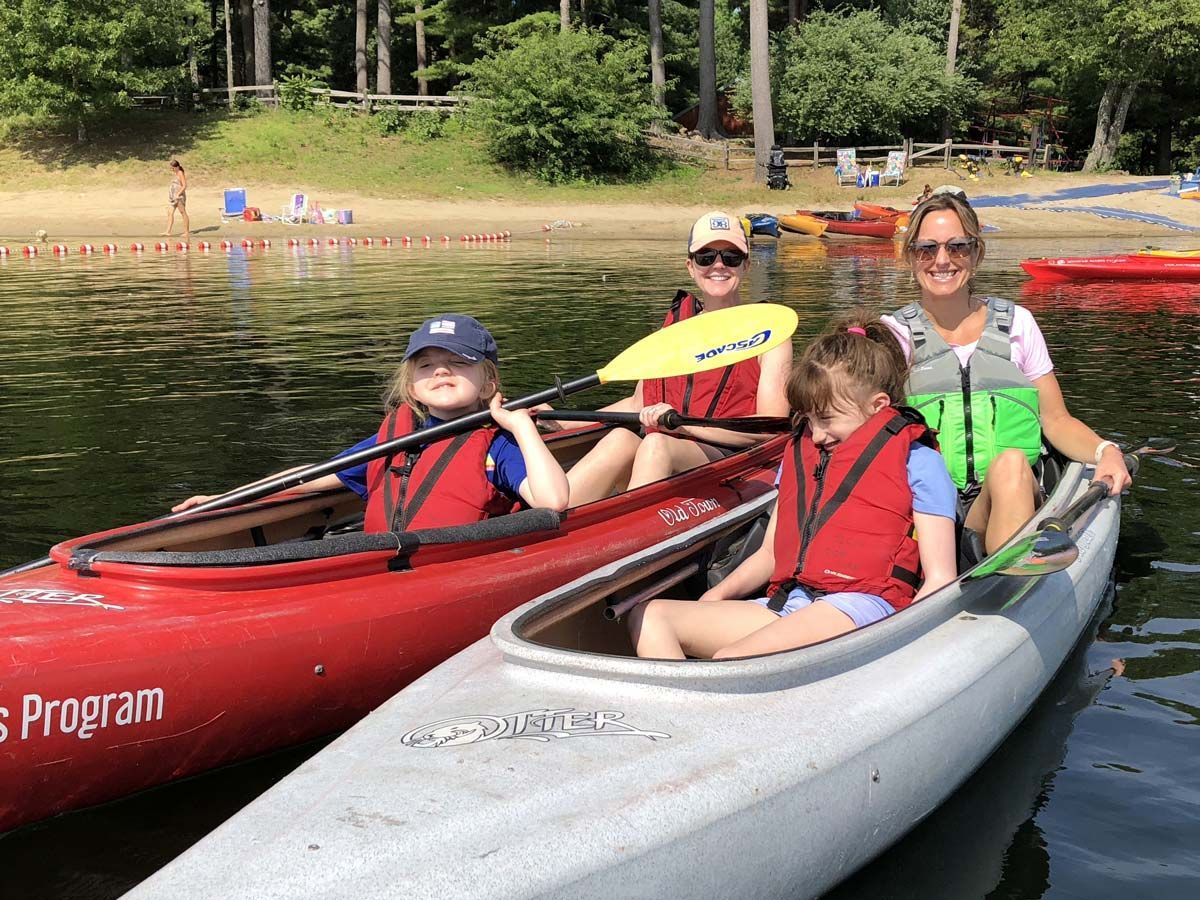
{"points": [[846, 171], [296, 212], [894, 168]]}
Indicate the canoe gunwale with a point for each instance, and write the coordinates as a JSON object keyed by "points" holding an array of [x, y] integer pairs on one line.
{"points": [[792, 668]]}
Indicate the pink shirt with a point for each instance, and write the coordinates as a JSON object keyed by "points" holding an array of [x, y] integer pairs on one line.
{"points": [[1029, 351]]}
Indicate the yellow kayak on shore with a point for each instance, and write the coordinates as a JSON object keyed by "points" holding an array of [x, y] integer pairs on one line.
{"points": [[1170, 254], [800, 224]]}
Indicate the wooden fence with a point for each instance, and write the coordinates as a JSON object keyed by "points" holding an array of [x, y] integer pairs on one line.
{"points": [[739, 154], [268, 95]]}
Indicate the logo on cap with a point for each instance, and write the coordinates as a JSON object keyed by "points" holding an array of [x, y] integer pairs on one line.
{"points": [[718, 223], [441, 326]]}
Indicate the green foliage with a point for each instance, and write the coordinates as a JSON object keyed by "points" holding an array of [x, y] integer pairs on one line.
{"points": [[76, 58], [851, 76], [562, 106], [296, 91], [418, 125]]}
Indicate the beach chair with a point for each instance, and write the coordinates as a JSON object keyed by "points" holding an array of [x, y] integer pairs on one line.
{"points": [[894, 168], [235, 204], [846, 170], [296, 212]]}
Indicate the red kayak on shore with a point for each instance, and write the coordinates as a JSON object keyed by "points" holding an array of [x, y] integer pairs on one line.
{"points": [[160, 650], [1121, 267], [849, 223]]}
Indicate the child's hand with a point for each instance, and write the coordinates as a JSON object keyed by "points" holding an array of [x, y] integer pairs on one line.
{"points": [[508, 419], [546, 426], [193, 501]]}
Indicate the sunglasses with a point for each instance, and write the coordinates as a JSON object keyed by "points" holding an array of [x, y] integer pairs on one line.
{"points": [[956, 248], [708, 256]]}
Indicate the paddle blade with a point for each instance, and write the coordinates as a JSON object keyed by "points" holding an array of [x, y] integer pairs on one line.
{"points": [[718, 338]]}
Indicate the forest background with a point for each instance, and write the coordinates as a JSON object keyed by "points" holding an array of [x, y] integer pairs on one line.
{"points": [[566, 91]]}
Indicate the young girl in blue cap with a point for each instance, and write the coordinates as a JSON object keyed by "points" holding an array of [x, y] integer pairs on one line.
{"points": [[449, 371]]}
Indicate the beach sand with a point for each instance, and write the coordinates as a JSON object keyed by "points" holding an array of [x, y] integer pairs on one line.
{"points": [[139, 213]]}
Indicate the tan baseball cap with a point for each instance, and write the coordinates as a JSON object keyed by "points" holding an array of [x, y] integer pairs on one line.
{"points": [[717, 226]]}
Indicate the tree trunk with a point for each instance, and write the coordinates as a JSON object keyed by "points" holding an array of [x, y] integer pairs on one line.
{"points": [[1162, 155], [262, 41], [422, 84], [193, 62], [564, 15], [246, 16], [360, 46], [1110, 123], [229, 82], [383, 49], [583, 13], [707, 121], [760, 87], [658, 69], [951, 58]]}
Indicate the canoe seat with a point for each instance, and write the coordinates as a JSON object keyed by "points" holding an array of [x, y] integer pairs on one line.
{"points": [[402, 544]]}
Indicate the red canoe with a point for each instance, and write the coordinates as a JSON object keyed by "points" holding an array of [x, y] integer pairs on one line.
{"points": [[848, 223], [160, 650], [1123, 267], [875, 211]]}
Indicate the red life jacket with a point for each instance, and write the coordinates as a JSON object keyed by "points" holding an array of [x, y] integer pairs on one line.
{"points": [[846, 524], [443, 483], [726, 392]]}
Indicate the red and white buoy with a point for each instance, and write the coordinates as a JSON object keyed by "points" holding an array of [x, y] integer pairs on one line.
{"points": [[406, 241], [136, 247], [351, 242], [313, 242], [61, 250], [204, 246], [386, 241], [426, 241], [445, 238], [226, 245], [110, 249], [293, 242], [3, 251], [162, 246], [86, 248], [264, 244], [247, 244], [507, 234], [29, 250], [332, 242], [182, 247], [367, 242]]}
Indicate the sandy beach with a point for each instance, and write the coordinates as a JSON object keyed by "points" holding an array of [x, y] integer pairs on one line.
{"points": [[139, 213]]}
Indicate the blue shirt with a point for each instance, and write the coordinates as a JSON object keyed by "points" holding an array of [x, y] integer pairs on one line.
{"points": [[505, 464], [933, 490]]}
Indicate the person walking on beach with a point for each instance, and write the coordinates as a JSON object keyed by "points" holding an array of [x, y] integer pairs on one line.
{"points": [[177, 200]]}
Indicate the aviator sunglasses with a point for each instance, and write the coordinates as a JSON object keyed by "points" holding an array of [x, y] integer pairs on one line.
{"points": [[958, 248], [708, 256]]}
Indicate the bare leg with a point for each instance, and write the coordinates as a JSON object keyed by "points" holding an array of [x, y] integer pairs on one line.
{"points": [[661, 455], [675, 629], [605, 468], [1006, 501], [816, 622], [187, 224], [170, 220]]}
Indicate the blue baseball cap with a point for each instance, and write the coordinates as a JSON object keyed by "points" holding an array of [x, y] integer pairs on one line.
{"points": [[461, 335]]}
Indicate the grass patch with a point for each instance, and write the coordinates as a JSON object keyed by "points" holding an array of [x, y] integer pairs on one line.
{"points": [[337, 150]]}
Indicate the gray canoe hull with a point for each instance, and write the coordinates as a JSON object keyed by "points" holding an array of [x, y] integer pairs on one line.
{"points": [[516, 770]]}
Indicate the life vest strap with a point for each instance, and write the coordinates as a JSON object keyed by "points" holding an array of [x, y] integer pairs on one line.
{"points": [[409, 512], [893, 427]]}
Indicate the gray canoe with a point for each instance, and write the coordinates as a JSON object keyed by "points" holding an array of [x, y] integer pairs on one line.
{"points": [[540, 762]]}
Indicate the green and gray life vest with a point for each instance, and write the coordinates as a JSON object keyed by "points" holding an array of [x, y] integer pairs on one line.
{"points": [[980, 409]]}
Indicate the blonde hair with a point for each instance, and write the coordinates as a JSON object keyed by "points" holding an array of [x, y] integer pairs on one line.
{"points": [[841, 366], [399, 388], [939, 203]]}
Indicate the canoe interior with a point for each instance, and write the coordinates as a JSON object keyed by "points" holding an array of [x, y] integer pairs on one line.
{"points": [[581, 625], [301, 517]]}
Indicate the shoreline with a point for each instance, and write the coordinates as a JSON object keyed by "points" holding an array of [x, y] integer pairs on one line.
{"points": [[99, 214]]}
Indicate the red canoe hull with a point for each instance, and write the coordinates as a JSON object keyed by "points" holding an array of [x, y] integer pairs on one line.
{"points": [[1113, 268], [875, 228], [135, 675]]}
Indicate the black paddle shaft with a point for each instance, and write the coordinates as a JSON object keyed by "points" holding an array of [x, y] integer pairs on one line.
{"points": [[669, 419], [1096, 492]]}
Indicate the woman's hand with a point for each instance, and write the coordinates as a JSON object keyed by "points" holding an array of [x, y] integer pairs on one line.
{"points": [[1112, 469], [649, 415], [193, 501]]}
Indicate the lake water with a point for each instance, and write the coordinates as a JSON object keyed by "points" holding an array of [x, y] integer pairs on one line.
{"points": [[129, 383]]}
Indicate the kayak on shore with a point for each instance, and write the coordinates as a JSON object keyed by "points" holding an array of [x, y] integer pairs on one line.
{"points": [[649, 778], [1157, 266], [798, 224], [850, 223]]}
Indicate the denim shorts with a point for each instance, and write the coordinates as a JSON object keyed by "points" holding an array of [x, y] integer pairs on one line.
{"points": [[862, 608]]}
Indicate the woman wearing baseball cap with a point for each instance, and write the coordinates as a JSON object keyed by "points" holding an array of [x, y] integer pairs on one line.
{"points": [[718, 258], [449, 371]]}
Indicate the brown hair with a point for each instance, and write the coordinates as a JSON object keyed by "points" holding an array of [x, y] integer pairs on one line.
{"points": [[399, 388], [937, 203], [176, 164], [840, 366]]}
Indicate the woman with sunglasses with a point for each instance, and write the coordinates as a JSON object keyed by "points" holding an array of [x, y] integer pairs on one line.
{"points": [[717, 262], [982, 377]]}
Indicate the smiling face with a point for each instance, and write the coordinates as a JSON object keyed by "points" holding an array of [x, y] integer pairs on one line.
{"points": [[448, 385], [718, 281], [944, 276], [834, 424]]}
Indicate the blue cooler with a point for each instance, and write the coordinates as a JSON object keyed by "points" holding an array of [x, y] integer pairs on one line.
{"points": [[345, 217], [235, 201]]}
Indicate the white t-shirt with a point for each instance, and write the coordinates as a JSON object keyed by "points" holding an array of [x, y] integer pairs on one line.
{"points": [[1029, 351]]}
